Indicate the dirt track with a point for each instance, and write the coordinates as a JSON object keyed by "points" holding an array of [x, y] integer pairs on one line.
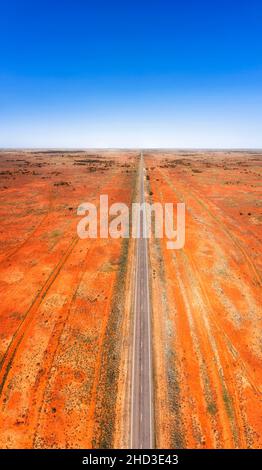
{"points": [[60, 299], [206, 301]]}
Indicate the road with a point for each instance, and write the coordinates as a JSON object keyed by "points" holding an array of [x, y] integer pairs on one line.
{"points": [[142, 422]]}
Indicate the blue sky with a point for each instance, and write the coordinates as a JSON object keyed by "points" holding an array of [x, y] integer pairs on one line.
{"points": [[148, 73]]}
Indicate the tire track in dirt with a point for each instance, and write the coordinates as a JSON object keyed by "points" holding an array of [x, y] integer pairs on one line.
{"points": [[8, 357], [205, 347], [222, 226], [231, 236], [225, 354], [222, 332], [13, 252], [180, 195], [223, 362], [22, 332], [39, 394], [186, 326], [208, 369], [94, 390], [224, 357]]}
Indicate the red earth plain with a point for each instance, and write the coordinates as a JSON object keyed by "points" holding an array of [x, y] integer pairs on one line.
{"points": [[206, 299], [67, 303], [62, 299]]}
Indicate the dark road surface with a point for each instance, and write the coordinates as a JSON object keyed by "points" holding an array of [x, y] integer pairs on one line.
{"points": [[142, 429]]}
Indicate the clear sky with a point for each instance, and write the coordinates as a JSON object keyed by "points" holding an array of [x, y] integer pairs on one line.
{"points": [[133, 73]]}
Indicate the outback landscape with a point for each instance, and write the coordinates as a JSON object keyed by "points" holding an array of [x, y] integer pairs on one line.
{"points": [[67, 305], [62, 300], [207, 301]]}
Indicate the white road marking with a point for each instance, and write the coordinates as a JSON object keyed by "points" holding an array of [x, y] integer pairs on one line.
{"points": [[142, 288]]}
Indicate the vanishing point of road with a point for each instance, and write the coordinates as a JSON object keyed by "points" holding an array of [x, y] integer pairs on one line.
{"points": [[142, 421]]}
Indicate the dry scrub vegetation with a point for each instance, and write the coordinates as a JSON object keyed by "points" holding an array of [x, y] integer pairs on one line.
{"points": [[62, 299]]}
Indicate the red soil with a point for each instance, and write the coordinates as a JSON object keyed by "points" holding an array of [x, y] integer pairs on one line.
{"points": [[57, 297], [66, 303], [207, 302]]}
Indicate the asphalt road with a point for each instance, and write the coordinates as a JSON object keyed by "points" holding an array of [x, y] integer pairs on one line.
{"points": [[142, 428]]}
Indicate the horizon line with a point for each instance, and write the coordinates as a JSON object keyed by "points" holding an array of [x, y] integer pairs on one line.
{"points": [[83, 149]]}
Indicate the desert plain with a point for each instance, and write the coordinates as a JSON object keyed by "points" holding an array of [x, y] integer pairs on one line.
{"points": [[67, 309]]}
